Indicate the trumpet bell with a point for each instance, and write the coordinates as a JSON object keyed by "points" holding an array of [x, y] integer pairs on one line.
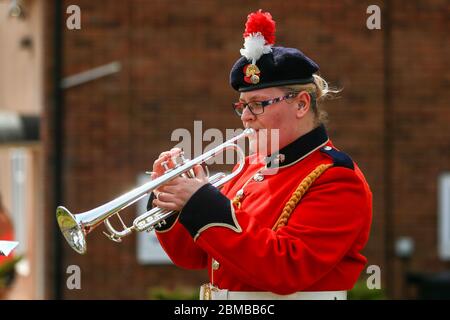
{"points": [[71, 229]]}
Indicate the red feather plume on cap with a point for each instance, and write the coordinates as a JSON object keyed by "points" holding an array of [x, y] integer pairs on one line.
{"points": [[261, 22]]}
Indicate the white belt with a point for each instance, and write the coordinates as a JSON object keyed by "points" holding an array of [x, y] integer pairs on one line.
{"points": [[209, 292]]}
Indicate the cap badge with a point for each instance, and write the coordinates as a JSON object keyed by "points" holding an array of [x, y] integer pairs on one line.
{"points": [[252, 73]]}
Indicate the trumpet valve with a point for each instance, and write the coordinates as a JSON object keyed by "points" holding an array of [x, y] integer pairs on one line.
{"points": [[161, 223], [182, 157], [179, 159], [165, 165]]}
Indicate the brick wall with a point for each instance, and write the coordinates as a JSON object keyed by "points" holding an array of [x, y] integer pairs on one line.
{"points": [[175, 66], [420, 82]]}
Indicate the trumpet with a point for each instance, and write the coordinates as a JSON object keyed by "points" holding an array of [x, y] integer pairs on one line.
{"points": [[75, 227]]}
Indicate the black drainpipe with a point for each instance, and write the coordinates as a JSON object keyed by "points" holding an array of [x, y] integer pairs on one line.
{"points": [[389, 228], [58, 139]]}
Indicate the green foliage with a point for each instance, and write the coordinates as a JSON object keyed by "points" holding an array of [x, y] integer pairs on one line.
{"points": [[180, 293], [7, 270], [361, 292]]}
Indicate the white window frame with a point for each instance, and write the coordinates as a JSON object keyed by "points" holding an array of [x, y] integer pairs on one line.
{"points": [[444, 216], [149, 251], [19, 191]]}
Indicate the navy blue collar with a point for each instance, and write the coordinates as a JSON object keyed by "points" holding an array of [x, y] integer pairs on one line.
{"points": [[298, 149]]}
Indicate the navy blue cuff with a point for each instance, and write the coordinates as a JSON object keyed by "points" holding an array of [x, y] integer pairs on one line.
{"points": [[170, 221], [206, 208]]}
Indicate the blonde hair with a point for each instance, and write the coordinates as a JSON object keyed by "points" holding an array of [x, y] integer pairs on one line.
{"points": [[319, 91]]}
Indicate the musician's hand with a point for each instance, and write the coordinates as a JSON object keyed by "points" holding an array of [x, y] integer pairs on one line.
{"points": [[158, 168], [176, 193], [167, 156]]}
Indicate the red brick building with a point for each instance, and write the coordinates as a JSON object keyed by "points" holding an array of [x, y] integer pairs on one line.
{"points": [[175, 59]]}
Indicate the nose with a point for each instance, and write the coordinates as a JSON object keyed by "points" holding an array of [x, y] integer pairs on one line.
{"points": [[247, 115]]}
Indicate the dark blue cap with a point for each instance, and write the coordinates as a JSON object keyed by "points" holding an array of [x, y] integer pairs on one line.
{"points": [[282, 66]]}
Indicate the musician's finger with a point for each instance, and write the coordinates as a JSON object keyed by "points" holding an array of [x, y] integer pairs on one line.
{"points": [[163, 163], [199, 172], [175, 151], [163, 154], [164, 204]]}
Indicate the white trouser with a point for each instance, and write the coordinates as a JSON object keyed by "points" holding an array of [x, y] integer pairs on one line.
{"points": [[208, 292]]}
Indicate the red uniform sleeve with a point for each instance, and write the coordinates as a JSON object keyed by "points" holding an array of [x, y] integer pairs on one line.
{"points": [[327, 223], [181, 248], [177, 243]]}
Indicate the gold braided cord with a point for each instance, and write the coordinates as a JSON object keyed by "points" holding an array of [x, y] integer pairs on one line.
{"points": [[298, 194]]}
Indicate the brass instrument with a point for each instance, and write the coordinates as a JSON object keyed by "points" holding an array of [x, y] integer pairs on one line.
{"points": [[75, 227]]}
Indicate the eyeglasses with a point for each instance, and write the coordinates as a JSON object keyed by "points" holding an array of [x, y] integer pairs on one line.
{"points": [[257, 107]]}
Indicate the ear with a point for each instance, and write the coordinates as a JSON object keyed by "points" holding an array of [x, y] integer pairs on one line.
{"points": [[303, 102]]}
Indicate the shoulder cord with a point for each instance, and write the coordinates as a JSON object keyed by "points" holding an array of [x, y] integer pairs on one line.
{"points": [[298, 194]]}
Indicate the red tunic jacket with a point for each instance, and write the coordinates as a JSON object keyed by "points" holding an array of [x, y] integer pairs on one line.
{"points": [[317, 250]]}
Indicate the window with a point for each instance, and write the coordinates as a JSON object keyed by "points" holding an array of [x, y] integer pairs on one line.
{"points": [[149, 251], [444, 216], [19, 197]]}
